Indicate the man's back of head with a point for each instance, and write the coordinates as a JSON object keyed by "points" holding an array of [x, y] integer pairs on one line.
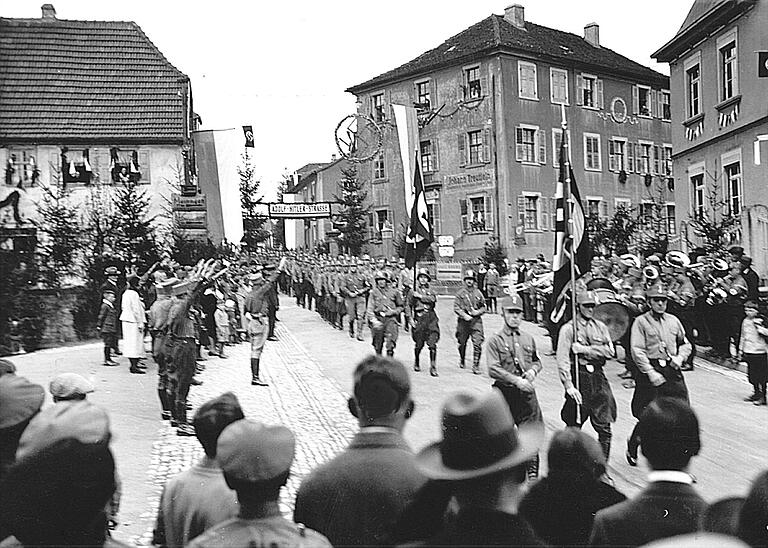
{"points": [[382, 393], [669, 434], [213, 417]]}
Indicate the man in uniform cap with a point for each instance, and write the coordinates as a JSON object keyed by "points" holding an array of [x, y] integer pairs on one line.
{"points": [[199, 498], [583, 347], [659, 347], [487, 485], [354, 288], [513, 364], [256, 460], [420, 313], [273, 302], [469, 307], [375, 477], [384, 308], [257, 311]]}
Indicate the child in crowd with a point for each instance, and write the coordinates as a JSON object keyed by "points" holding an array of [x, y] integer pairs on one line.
{"points": [[222, 327], [106, 324], [753, 349]]}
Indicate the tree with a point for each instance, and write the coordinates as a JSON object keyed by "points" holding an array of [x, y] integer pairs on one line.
{"points": [[60, 241], [494, 253], [715, 222], [353, 219], [278, 229], [615, 234], [133, 238], [253, 222]]}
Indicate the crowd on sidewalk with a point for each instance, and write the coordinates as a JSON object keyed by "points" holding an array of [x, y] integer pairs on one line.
{"points": [[469, 488]]}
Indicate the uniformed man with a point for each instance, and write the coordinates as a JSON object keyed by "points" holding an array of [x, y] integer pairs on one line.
{"points": [[384, 308], [681, 302], [420, 314], [256, 311], [469, 307], [514, 365], [585, 355], [353, 289], [181, 325], [492, 286], [157, 320], [660, 348], [273, 302]]}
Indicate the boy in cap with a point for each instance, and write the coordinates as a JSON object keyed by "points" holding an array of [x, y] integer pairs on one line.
{"points": [[487, 484], [375, 477], [106, 325], [256, 460], [196, 500], [513, 364]]}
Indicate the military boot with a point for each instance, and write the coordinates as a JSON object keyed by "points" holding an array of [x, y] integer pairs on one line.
{"points": [[476, 364], [184, 428], [461, 358], [433, 362], [255, 379], [416, 366]]}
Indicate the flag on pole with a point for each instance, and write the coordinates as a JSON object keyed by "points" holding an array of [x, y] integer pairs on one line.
{"points": [[564, 239], [248, 132]]}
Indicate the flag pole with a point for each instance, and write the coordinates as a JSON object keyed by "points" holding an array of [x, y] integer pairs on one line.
{"points": [[572, 258]]}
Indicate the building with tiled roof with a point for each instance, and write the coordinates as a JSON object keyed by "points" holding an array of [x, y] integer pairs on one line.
{"points": [[490, 108], [82, 102], [719, 77]]}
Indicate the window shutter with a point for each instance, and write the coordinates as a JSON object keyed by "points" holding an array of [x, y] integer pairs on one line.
{"points": [[387, 101], [655, 113], [656, 159], [579, 89], [518, 144], [433, 94], [144, 167], [552, 213], [599, 92], [660, 104], [521, 211], [603, 209], [484, 91], [489, 215], [635, 100], [611, 155], [487, 145], [463, 214], [630, 157], [435, 154], [541, 135], [462, 145], [545, 213]]}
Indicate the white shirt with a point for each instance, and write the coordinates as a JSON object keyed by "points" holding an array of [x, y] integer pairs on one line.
{"points": [[132, 308], [674, 476]]}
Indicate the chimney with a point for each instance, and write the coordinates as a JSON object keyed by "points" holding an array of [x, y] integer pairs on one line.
{"points": [[49, 12], [592, 34], [515, 14]]}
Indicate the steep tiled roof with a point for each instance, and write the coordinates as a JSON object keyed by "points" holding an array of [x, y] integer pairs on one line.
{"points": [[86, 80], [497, 34], [699, 8]]}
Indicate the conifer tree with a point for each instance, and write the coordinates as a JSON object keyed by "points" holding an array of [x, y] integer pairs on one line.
{"points": [[133, 235], [353, 219], [253, 222]]}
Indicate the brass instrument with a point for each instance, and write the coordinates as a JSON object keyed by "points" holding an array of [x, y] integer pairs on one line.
{"points": [[650, 273], [717, 294], [631, 260]]}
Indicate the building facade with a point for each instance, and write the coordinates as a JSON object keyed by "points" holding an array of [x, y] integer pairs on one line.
{"points": [[490, 102], [719, 112], [90, 104]]}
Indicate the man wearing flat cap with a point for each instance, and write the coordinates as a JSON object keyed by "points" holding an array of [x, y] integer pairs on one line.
{"points": [[482, 458], [20, 400], [256, 460], [355, 498], [199, 498], [70, 387]]}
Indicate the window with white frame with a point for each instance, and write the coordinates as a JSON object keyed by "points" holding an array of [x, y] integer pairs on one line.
{"points": [[526, 144], [532, 211], [669, 217], [643, 100], [697, 193], [382, 216], [588, 90], [427, 156], [667, 151], [644, 157], [617, 154], [377, 107], [594, 207], [558, 86], [527, 84], [592, 152], [379, 171], [478, 212], [472, 82], [733, 192], [423, 96], [475, 141], [693, 90], [21, 168], [665, 106], [728, 71]]}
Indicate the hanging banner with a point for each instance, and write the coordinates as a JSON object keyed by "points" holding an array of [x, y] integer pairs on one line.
{"points": [[299, 211]]}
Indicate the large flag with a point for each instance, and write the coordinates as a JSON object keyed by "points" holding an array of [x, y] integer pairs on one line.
{"points": [[567, 236], [419, 232]]}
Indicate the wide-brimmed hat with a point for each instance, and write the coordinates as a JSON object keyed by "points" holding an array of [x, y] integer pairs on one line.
{"points": [[479, 438]]}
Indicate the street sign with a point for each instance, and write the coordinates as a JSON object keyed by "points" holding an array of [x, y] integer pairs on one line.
{"points": [[299, 211], [446, 250], [448, 272], [445, 241], [762, 64]]}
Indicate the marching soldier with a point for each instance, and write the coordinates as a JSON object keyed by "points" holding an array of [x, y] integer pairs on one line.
{"points": [[256, 311], [469, 307], [492, 284], [592, 346], [513, 364], [354, 288], [420, 314], [384, 308], [660, 348]]}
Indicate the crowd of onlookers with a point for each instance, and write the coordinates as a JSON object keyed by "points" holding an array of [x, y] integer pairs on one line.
{"points": [[58, 482]]}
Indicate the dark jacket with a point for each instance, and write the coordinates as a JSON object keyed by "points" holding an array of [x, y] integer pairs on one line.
{"points": [[107, 320], [664, 509], [355, 499], [561, 509], [481, 527]]}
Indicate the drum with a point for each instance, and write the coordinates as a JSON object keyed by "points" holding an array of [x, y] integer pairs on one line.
{"points": [[599, 283], [611, 312]]}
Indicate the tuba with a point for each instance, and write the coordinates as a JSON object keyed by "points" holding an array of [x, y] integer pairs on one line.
{"points": [[630, 260], [677, 259], [650, 273]]}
